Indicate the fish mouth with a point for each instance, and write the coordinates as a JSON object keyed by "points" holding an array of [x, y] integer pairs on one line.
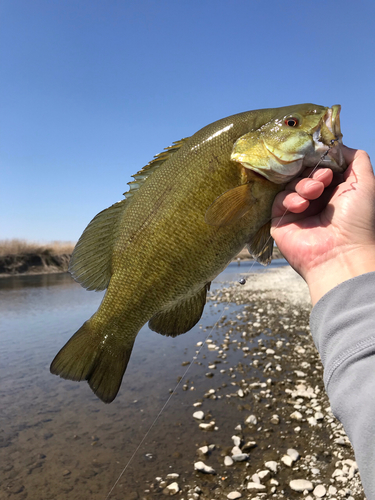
{"points": [[327, 139]]}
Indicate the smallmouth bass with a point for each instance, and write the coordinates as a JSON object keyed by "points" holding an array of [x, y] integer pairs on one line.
{"points": [[186, 215]]}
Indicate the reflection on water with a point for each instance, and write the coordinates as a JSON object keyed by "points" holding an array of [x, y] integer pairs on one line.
{"points": [[57, 440]]}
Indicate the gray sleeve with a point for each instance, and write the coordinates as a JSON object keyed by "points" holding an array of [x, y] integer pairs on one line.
{"points": [[343, 328]]}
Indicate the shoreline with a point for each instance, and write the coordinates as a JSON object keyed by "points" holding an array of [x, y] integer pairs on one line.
{"points": [[46, 261]]}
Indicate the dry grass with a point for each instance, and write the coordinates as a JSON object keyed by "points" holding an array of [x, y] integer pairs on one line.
{"points": [[21, 247]]}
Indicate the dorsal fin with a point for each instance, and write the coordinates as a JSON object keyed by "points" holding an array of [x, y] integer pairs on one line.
{"points": [[91, 261], [148, 169]]}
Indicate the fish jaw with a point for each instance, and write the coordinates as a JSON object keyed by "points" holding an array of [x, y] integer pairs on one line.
{"points": [[279, 154], [328, 143]]}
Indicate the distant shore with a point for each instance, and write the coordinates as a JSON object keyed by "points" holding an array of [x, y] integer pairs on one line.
{"points": [[19, 257]]}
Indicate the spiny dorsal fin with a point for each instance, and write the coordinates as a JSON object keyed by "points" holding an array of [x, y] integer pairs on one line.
{"points": [[148, 169], [261, 245], [230, 206], [90, 264], [182, 316]]}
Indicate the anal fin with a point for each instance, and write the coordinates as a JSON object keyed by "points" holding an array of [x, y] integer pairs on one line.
{"points": [[182, 316]]}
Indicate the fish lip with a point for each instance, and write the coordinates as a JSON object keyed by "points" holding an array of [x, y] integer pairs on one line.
{"points": [[327, 140]]}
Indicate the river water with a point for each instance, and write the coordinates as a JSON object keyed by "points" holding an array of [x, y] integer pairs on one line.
{"points": [[57, 440]]}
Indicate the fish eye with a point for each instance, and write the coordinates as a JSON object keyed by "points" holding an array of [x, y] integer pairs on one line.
{"points": [[291, 121]]}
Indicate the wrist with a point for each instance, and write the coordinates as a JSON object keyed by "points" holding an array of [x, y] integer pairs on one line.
{"points": [[344, 266]]}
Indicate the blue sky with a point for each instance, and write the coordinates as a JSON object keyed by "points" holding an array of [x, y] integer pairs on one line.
{"points": [[91, 90]]}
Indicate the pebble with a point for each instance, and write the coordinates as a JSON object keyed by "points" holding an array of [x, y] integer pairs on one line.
{"points": [[228, 461], [233, 495], [287, 460], [255, 486], [272, 466], [263, 474], [294, 455], [240, 393], [199, 415], [320, 491], [173, 488], [251, 420], [202, 467], [173, 475], [249, 446], [296, 415], [236, 450], [275, 419], [208, 427], [236, 441], [240, 457], [301, 485]]}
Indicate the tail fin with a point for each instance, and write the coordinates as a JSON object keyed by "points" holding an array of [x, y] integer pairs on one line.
{"points": [[99, 359]]}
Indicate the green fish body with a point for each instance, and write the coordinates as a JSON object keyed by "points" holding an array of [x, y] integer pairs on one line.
{"points": [[187, 214]]}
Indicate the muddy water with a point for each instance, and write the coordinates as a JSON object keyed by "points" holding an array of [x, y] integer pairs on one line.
{"points": [[57, 440]]}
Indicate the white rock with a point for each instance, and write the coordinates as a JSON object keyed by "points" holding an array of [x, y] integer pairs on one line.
{"points": [[208, 427], [255, 486], [274, 482], [320, 491], [202, 467], [173, 475], [240, 457], [300, 350], [228, 461], [297, 430], [299, 373], [240, 393], [312, 421], [275, 419], [233, 495], [199, 415], [270, 351], [319, 415], [263, 474], [251, 420], [236, 450], [332, 490], [287, 460], [294, 455], [204, 450], [338, 472], [173, 488], [271, 465], [301, 485], [236, 441], [255, 478], [296, 415]]}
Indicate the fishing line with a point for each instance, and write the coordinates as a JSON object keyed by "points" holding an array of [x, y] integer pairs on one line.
{"points": [[163, 408], [241, 281]]}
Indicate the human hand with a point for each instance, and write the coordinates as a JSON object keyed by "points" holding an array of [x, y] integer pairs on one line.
{"points": [[325, 225]]}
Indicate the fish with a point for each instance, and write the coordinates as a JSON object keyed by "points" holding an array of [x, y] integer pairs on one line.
{"points": [[186, 215]]}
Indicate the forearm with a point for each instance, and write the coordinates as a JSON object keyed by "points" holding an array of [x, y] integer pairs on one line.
{"points": [[343, 329]]}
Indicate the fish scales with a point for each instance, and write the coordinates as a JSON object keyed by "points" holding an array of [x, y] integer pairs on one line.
{"points": [[186, 221]]}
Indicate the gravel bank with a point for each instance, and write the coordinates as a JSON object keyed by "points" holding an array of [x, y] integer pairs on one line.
{"points": [[264, 429]]}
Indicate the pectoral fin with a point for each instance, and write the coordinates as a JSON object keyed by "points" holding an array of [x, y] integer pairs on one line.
{"points": [[230, 206], [182, 316], [261, 245]]}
